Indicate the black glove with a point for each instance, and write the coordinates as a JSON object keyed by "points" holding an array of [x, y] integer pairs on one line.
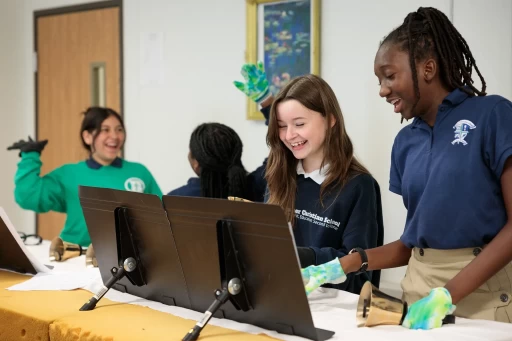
{"points": [[29, 146], [307, 256]]}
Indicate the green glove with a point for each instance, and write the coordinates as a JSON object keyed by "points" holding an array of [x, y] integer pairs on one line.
{"points": [[430, 311], [256, 86], [315, 275]]}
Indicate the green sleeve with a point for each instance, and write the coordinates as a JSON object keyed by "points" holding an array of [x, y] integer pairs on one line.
{"points": [[35, 193], [152, 186]]}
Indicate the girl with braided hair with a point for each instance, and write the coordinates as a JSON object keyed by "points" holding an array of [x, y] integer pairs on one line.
{"points": [[216, 151], [452, 165], [215, 156]]}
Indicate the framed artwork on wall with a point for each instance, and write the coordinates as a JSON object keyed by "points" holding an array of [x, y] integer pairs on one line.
{"points": [[285, 36]]}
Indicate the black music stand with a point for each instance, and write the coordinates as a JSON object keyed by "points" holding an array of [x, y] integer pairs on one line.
{"points": [[272, 295], [148, 239], [12, 256]]}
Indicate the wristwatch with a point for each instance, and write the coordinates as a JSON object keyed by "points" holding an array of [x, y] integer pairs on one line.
{"points": [[364, 259]]}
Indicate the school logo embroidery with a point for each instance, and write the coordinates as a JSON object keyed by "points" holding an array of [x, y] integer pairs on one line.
{"points": [[462, 130], [135, 185], [316, 219]]}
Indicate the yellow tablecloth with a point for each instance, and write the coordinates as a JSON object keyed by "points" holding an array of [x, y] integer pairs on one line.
{"points": [[54, 315]]}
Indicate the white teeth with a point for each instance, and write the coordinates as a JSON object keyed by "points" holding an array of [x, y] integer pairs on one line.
{"points": [[395, 101], [298, 143]]}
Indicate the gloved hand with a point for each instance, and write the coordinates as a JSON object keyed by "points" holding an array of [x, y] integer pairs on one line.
{"points": [[256, 86], [315, 275], [28, 146], [430, 311]]}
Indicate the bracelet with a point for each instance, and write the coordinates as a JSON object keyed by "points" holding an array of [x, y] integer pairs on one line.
{"points": [[364, 259]]}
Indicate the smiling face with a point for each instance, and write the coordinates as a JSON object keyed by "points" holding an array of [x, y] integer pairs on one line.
{"points": [[392, 68], [302, 131], [106, 143]]}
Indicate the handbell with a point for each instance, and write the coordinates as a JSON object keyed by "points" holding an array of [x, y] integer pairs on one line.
{"points": [[61, 250], [238, 199], [90, 258], [377, 308]]}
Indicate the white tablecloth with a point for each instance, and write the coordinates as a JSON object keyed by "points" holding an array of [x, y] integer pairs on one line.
{"points": [[333, 310]]}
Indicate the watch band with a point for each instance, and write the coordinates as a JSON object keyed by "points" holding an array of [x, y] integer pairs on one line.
{"points": [[364, 259]]}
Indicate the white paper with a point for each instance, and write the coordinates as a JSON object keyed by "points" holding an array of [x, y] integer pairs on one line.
{"points": [[331, 309], [66, 280], [152, 59], [38, 266], [42, 253]]}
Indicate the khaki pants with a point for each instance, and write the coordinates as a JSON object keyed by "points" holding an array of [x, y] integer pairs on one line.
{"points": [[429, 268]]}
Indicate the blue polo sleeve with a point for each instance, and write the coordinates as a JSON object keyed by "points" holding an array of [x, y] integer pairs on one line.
{"points": [[395, 179], [498, 137]]}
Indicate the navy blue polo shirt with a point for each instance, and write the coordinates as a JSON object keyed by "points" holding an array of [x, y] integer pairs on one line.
{"points": [[449, 175], [91, 163], [255, 181], [191, 189]]}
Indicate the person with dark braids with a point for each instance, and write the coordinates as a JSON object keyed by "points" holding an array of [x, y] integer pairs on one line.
{"points": [[453, 167], [215, 152]]}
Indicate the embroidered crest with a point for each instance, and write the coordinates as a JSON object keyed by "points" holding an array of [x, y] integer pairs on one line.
{"points": [[135, 185], [462, 130]]}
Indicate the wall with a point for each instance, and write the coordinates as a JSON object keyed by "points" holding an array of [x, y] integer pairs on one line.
{"points": [[487, 28], [204, 49], [17, 94]]}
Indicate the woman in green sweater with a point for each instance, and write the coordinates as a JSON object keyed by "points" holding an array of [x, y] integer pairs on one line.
{"points": [[103, 135]]}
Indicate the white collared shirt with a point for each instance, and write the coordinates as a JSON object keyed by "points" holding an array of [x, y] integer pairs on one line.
{"points": [[317, 175]]}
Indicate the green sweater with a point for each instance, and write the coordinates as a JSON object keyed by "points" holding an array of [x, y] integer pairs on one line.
{"points": [[58, 190]]}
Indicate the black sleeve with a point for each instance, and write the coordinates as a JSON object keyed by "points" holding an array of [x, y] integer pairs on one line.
{"points": [[306, 256], [257, 177], [258, 183], [266, 113], [364, 228]]}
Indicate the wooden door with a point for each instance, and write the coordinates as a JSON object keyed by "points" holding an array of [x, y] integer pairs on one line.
{"points": [[78, 65]]}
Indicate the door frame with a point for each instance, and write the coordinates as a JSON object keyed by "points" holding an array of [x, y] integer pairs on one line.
{"points": [[74, 9]]}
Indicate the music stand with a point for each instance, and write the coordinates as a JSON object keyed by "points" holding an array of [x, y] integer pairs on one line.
{"points": [[12, 256], [266, 252], [143, 215]]}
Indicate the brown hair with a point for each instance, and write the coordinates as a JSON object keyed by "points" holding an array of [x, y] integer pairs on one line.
{"points": [[281, 172]]}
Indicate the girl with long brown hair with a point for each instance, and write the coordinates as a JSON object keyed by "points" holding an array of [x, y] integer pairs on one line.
{"points": [[329, 197]]}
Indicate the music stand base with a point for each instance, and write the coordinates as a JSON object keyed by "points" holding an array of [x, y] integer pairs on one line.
{"points": [[323, 334], [221, 297]]}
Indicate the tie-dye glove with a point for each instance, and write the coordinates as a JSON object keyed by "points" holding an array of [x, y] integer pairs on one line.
{"points": [[256, 86], [315, 275], [429, 312]]}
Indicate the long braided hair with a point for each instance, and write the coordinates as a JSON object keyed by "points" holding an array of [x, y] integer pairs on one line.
{"points": [[429, 33], [218, 150]]}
